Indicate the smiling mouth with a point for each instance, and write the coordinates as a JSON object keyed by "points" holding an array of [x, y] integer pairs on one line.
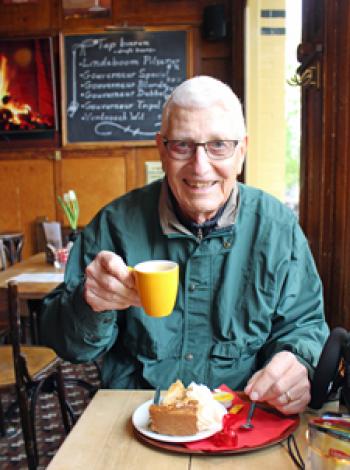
{"points": [[200, 184]]}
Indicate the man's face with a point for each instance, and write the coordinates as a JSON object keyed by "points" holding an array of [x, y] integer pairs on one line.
{"points": [[201, 185]]}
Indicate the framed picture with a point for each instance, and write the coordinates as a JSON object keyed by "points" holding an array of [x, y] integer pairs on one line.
{"points": [[27, 89], [86, 8]]}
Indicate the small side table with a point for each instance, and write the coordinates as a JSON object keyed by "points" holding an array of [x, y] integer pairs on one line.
{"points": [[13, 244]]}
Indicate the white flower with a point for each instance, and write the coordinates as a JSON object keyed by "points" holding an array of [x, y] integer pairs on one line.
{"points": [[71, 195], [70, 205]]}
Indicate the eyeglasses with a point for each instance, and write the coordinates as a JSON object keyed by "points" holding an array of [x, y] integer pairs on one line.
{"points": [[215, 149]]}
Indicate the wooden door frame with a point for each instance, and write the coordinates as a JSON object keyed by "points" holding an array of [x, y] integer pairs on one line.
{"points": [[325, 153]]}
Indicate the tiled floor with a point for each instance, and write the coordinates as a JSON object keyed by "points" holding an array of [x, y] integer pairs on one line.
{"points": [[50, 433]]}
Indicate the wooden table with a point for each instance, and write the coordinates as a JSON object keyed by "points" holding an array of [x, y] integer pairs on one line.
{"points": [[29, 291], [103, 439]]}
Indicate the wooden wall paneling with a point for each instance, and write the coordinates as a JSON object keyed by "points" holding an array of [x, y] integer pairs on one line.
{"points": [[217, 67], [216, 59], [82, 23], [237, 47], [196, 52], [237, 62], [215, 49], [312, 165], [327, 238], [325, 200], [135, 12], [29, 18], [26, 192], [143, 155], [145, 12], [338, 28], [97, 177], [140, 12], [131, 169], [153, 12]]}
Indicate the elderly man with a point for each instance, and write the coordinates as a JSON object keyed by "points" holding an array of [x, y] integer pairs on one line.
{"points": [[249, 311]]}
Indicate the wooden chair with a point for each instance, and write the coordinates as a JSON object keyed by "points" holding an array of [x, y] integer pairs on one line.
{"points": [[30, 369], [13, 244], [3, 262]]}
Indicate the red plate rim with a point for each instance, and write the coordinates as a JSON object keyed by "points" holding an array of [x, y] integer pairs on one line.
{"points": [[181, 449]]}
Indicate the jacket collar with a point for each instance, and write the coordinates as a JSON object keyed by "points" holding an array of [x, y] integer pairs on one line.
{"points": [[170, 223]]}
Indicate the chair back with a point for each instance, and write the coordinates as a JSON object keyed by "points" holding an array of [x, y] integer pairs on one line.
{"points": [[3, 262], [14, 317], [40, 240], [21, 374], [13, 244]]}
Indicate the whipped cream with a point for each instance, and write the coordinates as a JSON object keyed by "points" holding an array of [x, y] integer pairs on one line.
{"points": [[210, 411]]}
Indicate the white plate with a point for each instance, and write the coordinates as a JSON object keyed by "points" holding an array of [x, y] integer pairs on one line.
{"points": [[140, 420]]}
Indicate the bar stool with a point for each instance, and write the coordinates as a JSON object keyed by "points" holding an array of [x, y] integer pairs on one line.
{"points": [[13, 244]]}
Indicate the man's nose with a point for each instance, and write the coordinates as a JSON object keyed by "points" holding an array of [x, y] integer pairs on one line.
{"points": [[200, 159]]}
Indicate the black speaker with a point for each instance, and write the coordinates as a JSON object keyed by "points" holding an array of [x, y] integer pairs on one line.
{"points": [[214, 22]]}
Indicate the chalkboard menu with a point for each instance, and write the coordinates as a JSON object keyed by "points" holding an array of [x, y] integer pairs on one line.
{"points": [[115, 84]]}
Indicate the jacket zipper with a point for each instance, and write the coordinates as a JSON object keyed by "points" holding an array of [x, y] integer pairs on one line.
{"points": [[200, 234]]}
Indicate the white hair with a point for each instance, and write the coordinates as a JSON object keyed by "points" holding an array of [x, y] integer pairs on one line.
{"points": [[202, 92]]}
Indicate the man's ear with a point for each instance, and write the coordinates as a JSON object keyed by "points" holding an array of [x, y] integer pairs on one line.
{"points": [[161, 150], [241, 152], [159, 140]]}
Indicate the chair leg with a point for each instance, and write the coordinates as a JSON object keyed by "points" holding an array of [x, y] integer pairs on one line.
{"points": [[34, 307], [62, 399], [48, 385], [91, 389], [34, 394], [27, 428], [7, 428], [2, 421], [72, 416], [51, 383]]}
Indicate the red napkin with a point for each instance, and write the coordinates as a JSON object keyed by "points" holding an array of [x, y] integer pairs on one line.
{"points": [[268, 428]]}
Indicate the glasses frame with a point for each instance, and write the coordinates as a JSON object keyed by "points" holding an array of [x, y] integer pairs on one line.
{"points": [[199, 144]]}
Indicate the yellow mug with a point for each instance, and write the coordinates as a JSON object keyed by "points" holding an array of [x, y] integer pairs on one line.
{"points": [[157, 283]]}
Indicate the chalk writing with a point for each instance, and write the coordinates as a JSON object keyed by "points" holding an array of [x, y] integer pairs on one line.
{"points": [[116, 83]]}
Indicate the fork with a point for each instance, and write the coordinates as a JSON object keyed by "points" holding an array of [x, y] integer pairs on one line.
{"points": [[248, 424], [156, 398]]}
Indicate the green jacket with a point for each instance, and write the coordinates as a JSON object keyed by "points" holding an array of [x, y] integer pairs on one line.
{"points": [[247, 291]]}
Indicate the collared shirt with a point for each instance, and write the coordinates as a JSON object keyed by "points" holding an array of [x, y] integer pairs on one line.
{"points": [[199, 230], [248, 290], [170, 222]]}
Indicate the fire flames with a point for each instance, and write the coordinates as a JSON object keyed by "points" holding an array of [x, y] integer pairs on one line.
{"points": [[15, 115]]}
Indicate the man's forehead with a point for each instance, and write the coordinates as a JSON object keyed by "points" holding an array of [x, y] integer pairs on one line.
{"points": [[218, 105], [214, 117]]}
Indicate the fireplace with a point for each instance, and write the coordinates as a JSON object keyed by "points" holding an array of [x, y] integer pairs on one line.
{"points": [[27, 91]]}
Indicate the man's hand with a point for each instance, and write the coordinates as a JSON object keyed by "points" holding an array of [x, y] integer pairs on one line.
{"points": [[283, 383], [109, 283]]}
